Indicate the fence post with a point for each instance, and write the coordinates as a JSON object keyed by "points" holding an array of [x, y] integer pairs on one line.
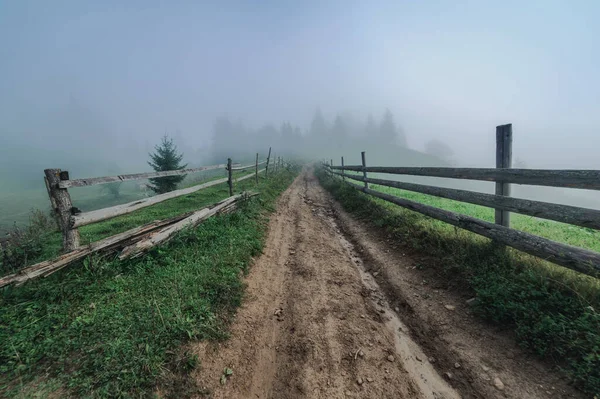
{"points": [[62, 206], [343, 178], [364, 165], [256, 168], [229, 177], [267, 167], [503, 160]]}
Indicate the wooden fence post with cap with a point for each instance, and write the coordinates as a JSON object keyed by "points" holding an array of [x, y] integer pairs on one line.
{"points": [[229, 177], [504, 161], [62, 206], [364, 165]]}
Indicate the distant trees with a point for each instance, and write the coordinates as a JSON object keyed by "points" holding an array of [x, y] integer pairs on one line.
{"points": [[229, 139], [291, 138], [389, 133], [439, 149], [166, 158], [345, 133], [339, 131], [318, 132], [370, 127]]}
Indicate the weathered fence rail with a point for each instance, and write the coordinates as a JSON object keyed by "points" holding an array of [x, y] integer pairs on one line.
{"points": [[579, 259], [237, 168], [66, 183], [586, 179]]}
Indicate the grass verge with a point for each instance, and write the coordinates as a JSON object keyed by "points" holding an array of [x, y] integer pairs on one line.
{"points": [[551, 309], [106, 328]]}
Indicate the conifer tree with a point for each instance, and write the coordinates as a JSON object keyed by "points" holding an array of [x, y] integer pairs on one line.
{"points": [[165, 158]]}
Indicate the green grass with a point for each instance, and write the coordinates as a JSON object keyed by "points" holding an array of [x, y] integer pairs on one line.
{"points": [[109, 328], [551, 309]]}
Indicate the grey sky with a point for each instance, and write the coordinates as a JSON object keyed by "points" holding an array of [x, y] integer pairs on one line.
{"points": [[446, 69]]}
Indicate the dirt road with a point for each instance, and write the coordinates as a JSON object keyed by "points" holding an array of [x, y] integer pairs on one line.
{"points": [[329, 313]]}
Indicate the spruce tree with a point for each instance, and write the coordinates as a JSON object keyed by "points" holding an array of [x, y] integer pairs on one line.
{"points": [[389, 133], [165, 158]]}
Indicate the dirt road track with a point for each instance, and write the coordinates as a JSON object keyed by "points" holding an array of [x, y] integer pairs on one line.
{"points": [[316, 324]]}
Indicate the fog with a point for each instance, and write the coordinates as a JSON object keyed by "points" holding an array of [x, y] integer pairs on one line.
{"points": [[92, 86]]}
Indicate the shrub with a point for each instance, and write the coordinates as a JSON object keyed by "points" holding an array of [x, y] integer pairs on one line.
{"points": [[23, 245]]}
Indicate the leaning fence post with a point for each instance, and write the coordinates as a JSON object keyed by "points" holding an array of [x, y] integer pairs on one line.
{"points": [[62, 206], [268, 159], [364, 168], [503, 160], [256, 168], [229, 177], [343, 178]]}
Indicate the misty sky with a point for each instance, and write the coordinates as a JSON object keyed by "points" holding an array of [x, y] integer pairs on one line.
{"points": [[446, 69]]}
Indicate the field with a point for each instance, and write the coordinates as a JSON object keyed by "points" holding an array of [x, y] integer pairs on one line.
{"points": [[109, 328], [551, 309]]}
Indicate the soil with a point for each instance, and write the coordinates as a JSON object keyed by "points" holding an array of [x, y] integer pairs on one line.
{"points": [[334, 310]]}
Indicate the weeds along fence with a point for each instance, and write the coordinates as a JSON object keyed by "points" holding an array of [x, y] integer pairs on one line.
{"points": [[136, 241], [575, 258]]}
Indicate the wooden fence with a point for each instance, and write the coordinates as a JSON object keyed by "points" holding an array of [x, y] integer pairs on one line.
{"points": [[579, 259], [70, 218], [134, 242]]}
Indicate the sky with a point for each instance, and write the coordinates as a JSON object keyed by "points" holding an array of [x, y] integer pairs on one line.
{"points": [[451, 70]]}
